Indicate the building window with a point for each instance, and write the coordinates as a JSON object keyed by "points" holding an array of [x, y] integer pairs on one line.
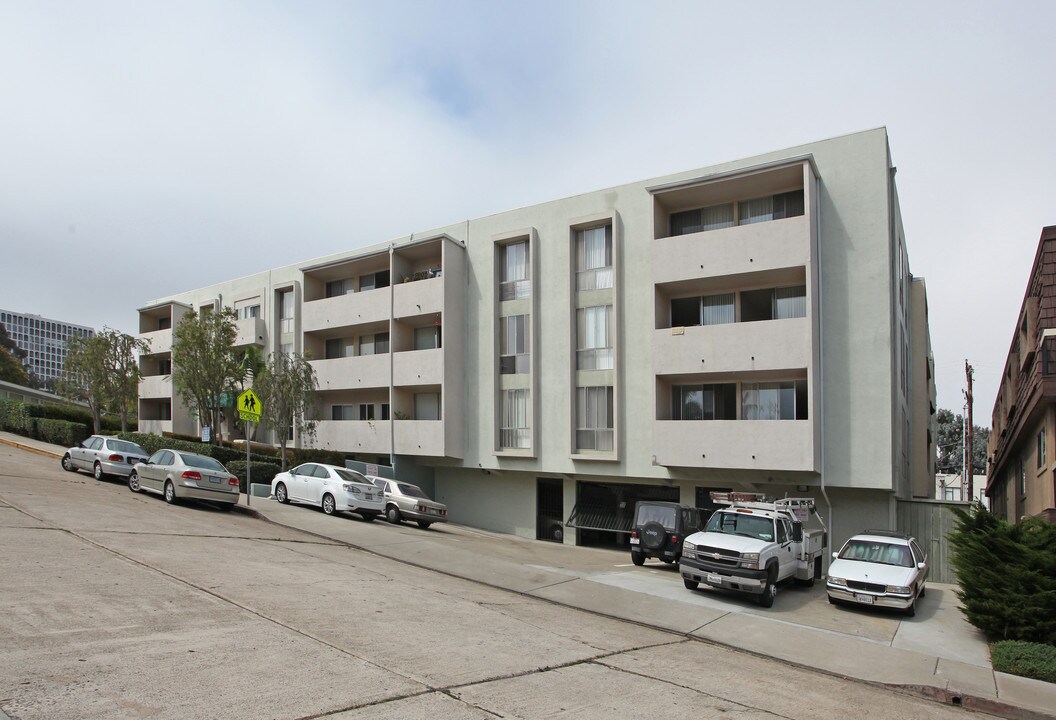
{"points": [[715, 217], [164, 323], [343, 412], [704, 402], [376, 344], [339, 348], [774, 304], [165, 366], [774, 401], [706, 310], [427, 406], [594, 338], [286, 311], [374, 281], [1041, 449], [515, 428], [771, 207], [427, 338], [286, 349], [594, 258], [515, 346], [516, 271], [248, 311], [336, 288], [594, 418]]}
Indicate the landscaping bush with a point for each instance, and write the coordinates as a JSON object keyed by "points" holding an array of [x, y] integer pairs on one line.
{"points": [[14, 418], [1007, 574], [1026, 659], [60, 412], [296, 456], [262, 472], [61, 432]]}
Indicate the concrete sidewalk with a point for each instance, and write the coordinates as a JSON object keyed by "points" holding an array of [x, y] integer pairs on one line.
{"points": [[936, 654]]}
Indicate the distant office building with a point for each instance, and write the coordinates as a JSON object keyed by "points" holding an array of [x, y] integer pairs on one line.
{"points": [[43, 340], [750, 326], [1021, 480]]}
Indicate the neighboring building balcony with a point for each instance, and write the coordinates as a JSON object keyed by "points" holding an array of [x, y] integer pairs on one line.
{"points": [[735, 444], [418, 367], [155, 427], [733, 347], [158, 341], [750, 248], [369, 436], [418, 297], [420, 437], [155, 386], [345, 310], [352, 373], [251, 331]]}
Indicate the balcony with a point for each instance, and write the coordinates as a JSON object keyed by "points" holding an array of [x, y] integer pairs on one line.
{"points": [[352, 373], [370, 436], [418, 367], [158, 341], [742, 249], [420, 437], [155, 386], [735, 444], [418, 297], [345, 310], [735, 347], [251, 331]]}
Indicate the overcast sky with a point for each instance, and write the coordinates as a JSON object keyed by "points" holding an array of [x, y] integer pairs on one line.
{"points": [[151, 148]]}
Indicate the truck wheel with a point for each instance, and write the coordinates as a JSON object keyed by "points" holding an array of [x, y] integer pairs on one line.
{"points": [[770, 590], [690, 584], [638, 558]]}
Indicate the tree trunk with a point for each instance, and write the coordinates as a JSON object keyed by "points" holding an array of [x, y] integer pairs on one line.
{"points": [[97, 419]]}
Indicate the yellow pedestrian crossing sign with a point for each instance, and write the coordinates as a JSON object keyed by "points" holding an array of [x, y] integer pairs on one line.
{"points": [[249, 407]]}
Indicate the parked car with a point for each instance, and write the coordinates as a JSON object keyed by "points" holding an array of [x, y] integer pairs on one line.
{"points": [[660, 527], [333, 488], [177, 475], [103, 455], [404, 501], [879, 568]]}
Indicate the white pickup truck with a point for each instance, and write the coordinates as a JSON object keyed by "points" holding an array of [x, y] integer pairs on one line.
{"points": [[754, 544]]}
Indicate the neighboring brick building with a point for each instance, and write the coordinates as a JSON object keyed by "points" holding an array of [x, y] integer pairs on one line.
{"points": [[1020, 480]]}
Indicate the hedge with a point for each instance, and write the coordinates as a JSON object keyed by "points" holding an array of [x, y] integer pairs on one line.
{"points": [[296, 456], [262, 472], [226, 455], [23, 418], [14, 417], [1026, 659], [60, 432]]}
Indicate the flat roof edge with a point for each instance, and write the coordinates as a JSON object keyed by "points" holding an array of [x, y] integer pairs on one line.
{"points": [[773, 164]]}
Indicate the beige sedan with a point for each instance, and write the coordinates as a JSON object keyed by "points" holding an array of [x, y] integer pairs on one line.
{"points": [[177, 475], [404, 501]]}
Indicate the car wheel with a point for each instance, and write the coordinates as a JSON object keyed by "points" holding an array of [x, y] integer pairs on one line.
{"points": [[97, 471], [133, 481], [638, 558], [911, 611], [690, 584], [280, 493], [424, 524], [770, 589], [923, 590], [67, 463], [392, 514], [329, 506], [170, 492]]}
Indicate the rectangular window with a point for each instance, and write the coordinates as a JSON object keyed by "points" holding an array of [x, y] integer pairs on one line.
{"points": [[340, 348], [427, 406], [771, 207], [515, 346], [594, 418], [165, 366], [376, 344], [515, 426], [336, 288], [774, 401], [516, 271], [343, 412], [774, 303], [594, 338], [374, 281], [164, 323], [704, 402], [594, 258], [427, 338], [715, 217], [1041, 449], [706, 310], [286, 311], [248, 311]]}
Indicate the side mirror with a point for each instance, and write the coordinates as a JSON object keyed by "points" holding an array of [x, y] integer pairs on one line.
{"points": [[921, 566], [797, 532], [835, 555]]}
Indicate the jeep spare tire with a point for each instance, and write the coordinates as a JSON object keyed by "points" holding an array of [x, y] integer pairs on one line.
{"points": [[654, 536]]}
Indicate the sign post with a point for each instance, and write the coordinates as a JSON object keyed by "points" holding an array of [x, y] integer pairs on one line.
{"points": [[249, 410]]}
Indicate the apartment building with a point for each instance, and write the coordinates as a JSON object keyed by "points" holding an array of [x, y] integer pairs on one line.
{"points": [[44, 341], [750, 326], [1021, 479]]}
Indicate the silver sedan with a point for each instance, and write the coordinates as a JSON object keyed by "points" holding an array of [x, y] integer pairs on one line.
{"points": [[176, 475], [102, 455], [404, 501]]}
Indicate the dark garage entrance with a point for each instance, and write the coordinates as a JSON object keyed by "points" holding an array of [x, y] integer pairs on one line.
{"points": [[604, 512]]}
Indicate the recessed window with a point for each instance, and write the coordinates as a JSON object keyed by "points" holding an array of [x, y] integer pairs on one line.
{"points": [[704, 402], [594, 338], [376, 344], [340, 348], [774, 401], [771, 207], [337, 288], [774, 303], [594, 418], [1041, 449], [594, 258], [706, 310], [514, 344], [374, 281], [515, 426], [427, 338], [715, 217], [427, 406], [516, 271]]}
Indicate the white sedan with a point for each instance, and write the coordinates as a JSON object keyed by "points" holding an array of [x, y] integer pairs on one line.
{"points": [[879, 568], [332, 488]]}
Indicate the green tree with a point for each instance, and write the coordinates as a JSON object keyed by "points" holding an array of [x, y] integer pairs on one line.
{"points": [[286, 389], [124, 380], [951, 459], [204, 363], [11, 368], [102, 371]]}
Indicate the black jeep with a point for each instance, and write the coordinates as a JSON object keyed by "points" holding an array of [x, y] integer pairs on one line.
{"points": [[660, 528]]}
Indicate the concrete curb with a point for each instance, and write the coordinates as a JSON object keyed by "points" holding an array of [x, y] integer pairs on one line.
{"points": [[30, 448]]}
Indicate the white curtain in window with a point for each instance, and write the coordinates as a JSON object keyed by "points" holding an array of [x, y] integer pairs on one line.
{"points": [[757, 210], [717, 309], [594, 413], [594, 327], [516, 265], [717, 217], [515, 428], [790, 302], [761, 401]]}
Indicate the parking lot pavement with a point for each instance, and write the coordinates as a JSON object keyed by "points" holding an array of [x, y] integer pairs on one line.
{"points": [[937, 653]]}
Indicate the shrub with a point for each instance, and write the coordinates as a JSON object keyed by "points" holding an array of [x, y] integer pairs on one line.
{"points": [[262, 472], [61, 432], [61, 412], [1007, 575], [1027, 659], [303, 455], [13, 417]]}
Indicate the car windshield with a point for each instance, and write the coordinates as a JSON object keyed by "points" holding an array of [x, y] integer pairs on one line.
{"points": [[126, 447], [877, 552], [735, 523], [351, 476], [201, 461], [411, 490], [663, 514]]}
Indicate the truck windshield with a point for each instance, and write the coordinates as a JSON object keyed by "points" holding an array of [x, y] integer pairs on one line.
{"points": [[733, 523]]}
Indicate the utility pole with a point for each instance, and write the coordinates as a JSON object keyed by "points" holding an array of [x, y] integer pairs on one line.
{"points": [[968, 463]]}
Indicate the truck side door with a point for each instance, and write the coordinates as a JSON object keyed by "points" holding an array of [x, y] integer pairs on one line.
{"points": [[786, 549]]}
